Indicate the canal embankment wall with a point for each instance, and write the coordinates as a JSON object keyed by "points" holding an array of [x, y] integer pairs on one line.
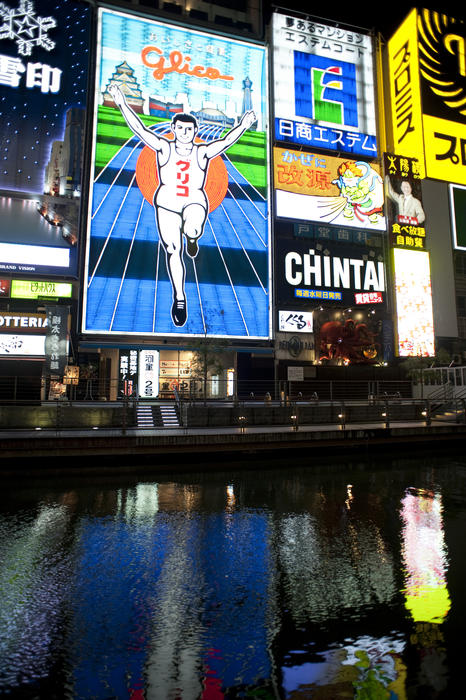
{"points": [[78, 453]]}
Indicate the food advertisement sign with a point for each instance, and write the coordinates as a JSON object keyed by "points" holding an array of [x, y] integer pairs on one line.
{"points": [[403, 197], [323, 86], [178, 234], [44, 53]]}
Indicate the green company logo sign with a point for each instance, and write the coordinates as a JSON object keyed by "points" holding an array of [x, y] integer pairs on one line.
{"points": [[30, 289]]}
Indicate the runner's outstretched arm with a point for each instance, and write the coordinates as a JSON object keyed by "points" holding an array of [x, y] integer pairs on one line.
{"points": [[216, 147], [133, 121]]}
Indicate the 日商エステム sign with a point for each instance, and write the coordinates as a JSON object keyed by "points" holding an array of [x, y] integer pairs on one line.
{"points": [[323, 86]]}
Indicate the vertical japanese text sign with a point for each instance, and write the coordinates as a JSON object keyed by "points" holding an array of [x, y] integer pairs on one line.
{"points": [[56, 343]]}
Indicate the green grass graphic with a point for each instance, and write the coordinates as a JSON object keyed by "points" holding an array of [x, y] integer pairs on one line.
{"points": [[249, 154]]}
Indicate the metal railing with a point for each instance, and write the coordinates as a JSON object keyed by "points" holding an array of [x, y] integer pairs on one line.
{"points": [[42, 389], [124, 416]]}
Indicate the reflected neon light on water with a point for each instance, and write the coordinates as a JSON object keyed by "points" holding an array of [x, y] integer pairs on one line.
{"points": [[425, 556]]}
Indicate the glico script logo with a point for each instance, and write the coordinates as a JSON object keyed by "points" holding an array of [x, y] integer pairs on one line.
{"points": [[325, 89]]}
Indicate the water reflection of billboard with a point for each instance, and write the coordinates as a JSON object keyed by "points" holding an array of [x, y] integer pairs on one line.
{"points": [[425, 556], [328, 189], [324, 86], [43, 83], [414, 303], [178, 235]]}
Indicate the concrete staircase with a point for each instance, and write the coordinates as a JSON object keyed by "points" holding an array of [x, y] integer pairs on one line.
{"points": [[144, 416], [169, 415]]}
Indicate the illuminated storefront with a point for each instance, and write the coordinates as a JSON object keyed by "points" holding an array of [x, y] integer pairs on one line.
{"points": [[166, 373]]}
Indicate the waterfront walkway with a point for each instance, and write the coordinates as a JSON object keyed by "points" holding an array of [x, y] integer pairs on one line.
{"points": [[92, 450]]}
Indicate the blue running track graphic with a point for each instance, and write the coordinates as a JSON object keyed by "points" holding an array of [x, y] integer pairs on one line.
{"points": [[128, 288]]}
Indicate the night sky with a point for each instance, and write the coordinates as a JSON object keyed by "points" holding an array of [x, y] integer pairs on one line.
{"points": [[29, 119], [382, 16]]}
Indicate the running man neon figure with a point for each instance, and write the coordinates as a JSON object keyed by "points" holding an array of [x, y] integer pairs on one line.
{"points": [[180, 202]]}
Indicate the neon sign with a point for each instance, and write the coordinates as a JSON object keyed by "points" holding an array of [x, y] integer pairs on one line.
{"points": [[368, 298], [324, 90], [328, 190], [413, 295], [178, 237], [178, 63]]}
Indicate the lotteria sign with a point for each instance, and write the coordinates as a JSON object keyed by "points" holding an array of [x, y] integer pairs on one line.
{"points": [[332, 275], [323, 86], [178, 234]]}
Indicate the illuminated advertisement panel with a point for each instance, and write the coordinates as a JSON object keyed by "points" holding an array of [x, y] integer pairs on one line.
{"points": [[43, 85], [295, 321], [328, 190], [458, 215], [428, 93], [316, 273], [23, 334], [323, 86], [413, 294], [403, 199], [405, 92], [148, 381], [442, 61], [38, 289], [178, 233]]}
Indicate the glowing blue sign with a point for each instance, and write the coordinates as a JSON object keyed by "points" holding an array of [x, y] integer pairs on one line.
{"points": [[178, 233], [324, 88]]}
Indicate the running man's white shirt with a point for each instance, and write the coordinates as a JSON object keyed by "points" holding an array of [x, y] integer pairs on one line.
{"points": [[182, 181]]}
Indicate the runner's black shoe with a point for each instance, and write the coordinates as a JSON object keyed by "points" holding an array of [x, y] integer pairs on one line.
{"points": [[179, 312], [192, 247]]}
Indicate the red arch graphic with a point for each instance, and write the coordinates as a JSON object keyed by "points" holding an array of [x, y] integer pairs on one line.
{"points": [[147, 177]]}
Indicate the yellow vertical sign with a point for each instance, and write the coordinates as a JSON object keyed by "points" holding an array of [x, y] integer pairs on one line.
{"points": [[405, 93]]}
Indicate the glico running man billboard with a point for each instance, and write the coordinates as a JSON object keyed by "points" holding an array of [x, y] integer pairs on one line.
{"points": [[44, 49], [178, 233], [323, 86]]}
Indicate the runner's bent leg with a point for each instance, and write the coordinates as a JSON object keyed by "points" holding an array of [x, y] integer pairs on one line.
{"points": [[194, 218], [169, 225]]}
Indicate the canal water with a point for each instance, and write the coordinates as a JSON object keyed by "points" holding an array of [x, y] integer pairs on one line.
{"points": [[321, 580]]}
